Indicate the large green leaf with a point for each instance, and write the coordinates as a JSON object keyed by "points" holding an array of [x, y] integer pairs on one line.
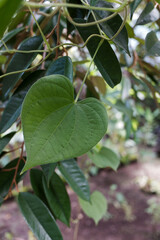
{"points": [[62, 66], [111, 26], [20, 61], [105, 60], [57, 128], [75, 177], [7, 10], [149, 14], [58, 199], [96, 208], [14, 105], [6, 177], [38, 217], [152, 44], [105, 158], [5, 140]]}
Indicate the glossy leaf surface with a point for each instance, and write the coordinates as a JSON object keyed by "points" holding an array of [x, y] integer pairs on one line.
{"points": [[75, 13], [48, 170], [5, 140], [75, 178], [7, 10], [20, 61], [36, 177], [111, 26], [10, 34], [57, 198], [54, 125], [14, 105], [62, 66], [105, 158], [105, 60], [38, 217], [134, 5], [96, 208]]}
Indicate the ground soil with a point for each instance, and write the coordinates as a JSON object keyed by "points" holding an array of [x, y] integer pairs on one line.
{"points": [[138, 227]]}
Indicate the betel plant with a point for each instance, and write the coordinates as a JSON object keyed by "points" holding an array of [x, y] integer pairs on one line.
{"points": [[39, 97]]}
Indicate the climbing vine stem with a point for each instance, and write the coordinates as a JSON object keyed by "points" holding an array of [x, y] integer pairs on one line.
{"points": [[85, 77]]}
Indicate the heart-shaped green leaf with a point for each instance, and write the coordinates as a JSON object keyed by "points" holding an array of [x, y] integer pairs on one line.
{"points": [[105, 158], [57, 128], [96, 208]]}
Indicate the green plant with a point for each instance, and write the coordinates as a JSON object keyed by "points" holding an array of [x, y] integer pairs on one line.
{"points": [[60, 121]]}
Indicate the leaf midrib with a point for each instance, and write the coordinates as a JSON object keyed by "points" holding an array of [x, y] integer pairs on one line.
{"points": [[72, 104]]}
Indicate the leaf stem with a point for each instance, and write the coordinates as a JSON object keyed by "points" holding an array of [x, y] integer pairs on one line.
{"points": [[25, 70], [44, 38], [71, 5], [85, 77], [90, 23]]}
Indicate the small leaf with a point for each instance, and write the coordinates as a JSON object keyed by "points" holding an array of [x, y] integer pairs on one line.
{"points": [[36, 177], [111, 26], [38, 217], [10, 35], [75, 177], [13, 107], [134, 5], [75, 13], [48, 170], [99, 83], [58, 199], [96, 208], [149, 14], [105, 158], [20, 61], [105, 60], [5, 140], [7, 10], [152, 44], [6, 177], [62, 66], [120, 106], [54, 125]]}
